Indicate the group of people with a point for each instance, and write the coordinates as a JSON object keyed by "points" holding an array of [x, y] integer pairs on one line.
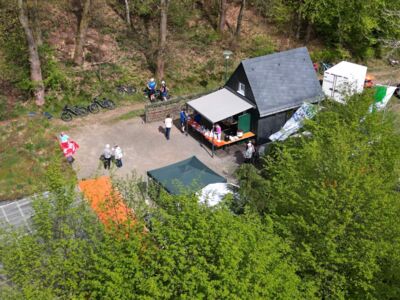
{"points": [[249, 154], [152, 88], [168, 123], [112, 154]]}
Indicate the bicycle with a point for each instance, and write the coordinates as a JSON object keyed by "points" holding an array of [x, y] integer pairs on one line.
{"points": [[323, 66], [96, 104], [126, 89], [68, 112]]}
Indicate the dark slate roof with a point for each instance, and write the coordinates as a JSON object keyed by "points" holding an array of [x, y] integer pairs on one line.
{"points": [[282, 81]]}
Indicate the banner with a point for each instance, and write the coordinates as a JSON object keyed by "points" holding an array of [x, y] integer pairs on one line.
{"points": [[306, 111], [383, 93]]}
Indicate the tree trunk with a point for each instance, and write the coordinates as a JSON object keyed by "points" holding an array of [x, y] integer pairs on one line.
{"points": [[81, 33], [222, 15], [34, 60], [298, 26], [128, 13], [239, 19], [308, 32], [163, 40]]}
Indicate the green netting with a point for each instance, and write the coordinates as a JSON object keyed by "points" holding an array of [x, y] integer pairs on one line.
{"points": [[189, 175]]}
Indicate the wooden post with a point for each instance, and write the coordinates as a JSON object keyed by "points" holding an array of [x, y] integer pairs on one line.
{"points": [[186, 120], [212, 142]]}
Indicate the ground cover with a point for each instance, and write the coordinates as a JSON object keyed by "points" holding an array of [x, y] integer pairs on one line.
{"points": [[27, 147]]}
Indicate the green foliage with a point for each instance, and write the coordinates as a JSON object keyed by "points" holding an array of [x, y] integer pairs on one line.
{"points": [[333, 197], [330, 55], [215, 254], [179, 13], [54, 77], [202, 36], [14, 63], [192, 251], [30, 145], [259, 45]]}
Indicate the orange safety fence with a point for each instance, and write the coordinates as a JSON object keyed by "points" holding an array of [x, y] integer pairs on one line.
{"points": [[106, 202]]}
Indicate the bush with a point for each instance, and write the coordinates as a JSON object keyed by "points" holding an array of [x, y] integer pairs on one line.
{"points": [[259, 45], [330, 54]]}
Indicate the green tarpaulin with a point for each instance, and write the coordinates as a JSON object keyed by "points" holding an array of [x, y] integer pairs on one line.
{"points": [[187, 175]]}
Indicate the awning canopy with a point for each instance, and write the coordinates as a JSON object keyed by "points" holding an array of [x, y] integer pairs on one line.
{"points": [[220, 105], [187, 175]]}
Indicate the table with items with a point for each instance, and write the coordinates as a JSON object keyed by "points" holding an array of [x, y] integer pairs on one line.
{"points": [[211, 136]]}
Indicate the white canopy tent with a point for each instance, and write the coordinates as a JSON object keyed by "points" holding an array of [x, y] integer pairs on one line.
{"points": [[220, 105]]}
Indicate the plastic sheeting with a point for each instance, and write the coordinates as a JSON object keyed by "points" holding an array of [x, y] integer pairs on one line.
{"points": [[306, 111], [213, 193]]}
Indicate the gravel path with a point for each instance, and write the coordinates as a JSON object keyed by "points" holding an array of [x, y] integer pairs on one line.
{"points": [[145, 148]]}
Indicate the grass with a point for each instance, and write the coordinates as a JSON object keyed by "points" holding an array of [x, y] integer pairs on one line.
{"points": [[28, 146], [128, 115]]}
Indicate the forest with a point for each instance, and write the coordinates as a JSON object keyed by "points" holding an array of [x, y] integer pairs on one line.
{"points": [[315, 218]]}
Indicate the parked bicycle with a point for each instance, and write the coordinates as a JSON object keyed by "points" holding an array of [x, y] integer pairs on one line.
{"points": [[323, 66], [97, 103], [126, 89], [69, 111]]}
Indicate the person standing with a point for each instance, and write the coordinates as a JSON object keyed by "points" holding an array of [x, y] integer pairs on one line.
{"points": [[164, 91], [183, 118], [168, 126], [107, 153], [218, 130], [118, 156], [151, 87], [248, 154]]}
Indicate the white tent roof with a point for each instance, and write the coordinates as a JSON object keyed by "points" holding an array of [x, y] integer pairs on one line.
{"points": [[348, 69], [220, 105]]}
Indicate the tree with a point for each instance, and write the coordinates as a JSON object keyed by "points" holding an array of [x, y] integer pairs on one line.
{"points": [[239, 19], [128, 13], [83, 17], [163, 39], [214, 254], [222, 15], [191, 251], [333, 197], [34, 59]]}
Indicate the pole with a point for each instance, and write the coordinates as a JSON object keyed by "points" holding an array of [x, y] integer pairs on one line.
{"points": [[186, 120], [212, 141]]}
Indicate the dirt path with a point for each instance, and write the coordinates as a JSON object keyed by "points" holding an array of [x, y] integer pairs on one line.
{"points": [[386, 75]]}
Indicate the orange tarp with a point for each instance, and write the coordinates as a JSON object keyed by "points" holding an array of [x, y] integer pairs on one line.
{"points": [[105, 201]]}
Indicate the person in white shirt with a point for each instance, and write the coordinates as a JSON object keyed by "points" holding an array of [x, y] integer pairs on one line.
{"points": [[168, 126], [248, 154], [107, 156], [117, 151]]}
